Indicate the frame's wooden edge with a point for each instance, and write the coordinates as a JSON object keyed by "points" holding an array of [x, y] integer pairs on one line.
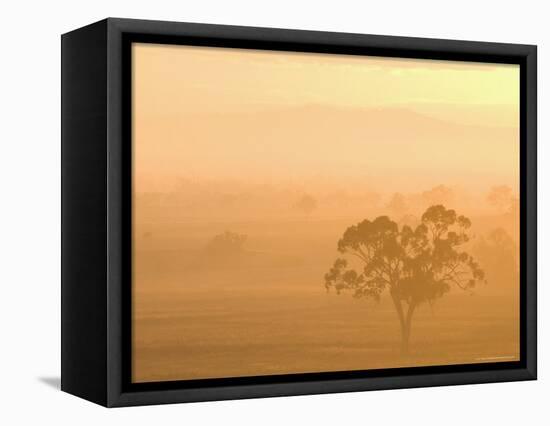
{"points": [[530, 209], [424, 48], [318, 387], [83, 213], [211, 30], [433, 48], [93, 24], [115, 225]]}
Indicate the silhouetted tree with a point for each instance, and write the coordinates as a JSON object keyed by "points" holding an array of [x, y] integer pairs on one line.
{"points": [[409, 220], [440, 194], [498, 254], [397, 204], [415, 265], [225, 244], [306, 204], [501, 197]]}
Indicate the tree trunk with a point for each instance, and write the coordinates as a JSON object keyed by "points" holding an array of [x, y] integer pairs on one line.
{"points": [[405, 322], [406, 329], [402, 323]]}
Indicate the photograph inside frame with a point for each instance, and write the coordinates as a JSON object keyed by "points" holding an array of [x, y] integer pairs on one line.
{"points": [[303, 212]]}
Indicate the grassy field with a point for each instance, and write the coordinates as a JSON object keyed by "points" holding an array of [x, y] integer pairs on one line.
{"points": [[265, 310]]}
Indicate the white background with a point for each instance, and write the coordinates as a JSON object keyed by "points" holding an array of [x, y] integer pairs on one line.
{"points": [[30, 211]]}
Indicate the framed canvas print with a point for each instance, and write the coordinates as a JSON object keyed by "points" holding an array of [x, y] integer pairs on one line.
{"points": [[251, 212]]}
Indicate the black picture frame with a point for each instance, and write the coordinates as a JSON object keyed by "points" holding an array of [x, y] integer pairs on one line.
{"points": [[96, 212]]}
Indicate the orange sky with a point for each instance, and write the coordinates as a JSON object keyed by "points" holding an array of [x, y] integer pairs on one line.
{"points": [[233, 139], [399, 124]]}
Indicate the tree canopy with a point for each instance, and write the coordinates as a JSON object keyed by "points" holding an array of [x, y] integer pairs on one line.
{"points": [[501, 197], [227, 243], [306, 204], [415, 265]]}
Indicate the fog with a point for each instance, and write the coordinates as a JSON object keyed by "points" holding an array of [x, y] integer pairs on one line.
{"points": [[250, 166], [230, 283]]}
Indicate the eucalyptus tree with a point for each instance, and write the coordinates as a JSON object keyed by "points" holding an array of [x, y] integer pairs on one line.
{"points": [[415, 265]]}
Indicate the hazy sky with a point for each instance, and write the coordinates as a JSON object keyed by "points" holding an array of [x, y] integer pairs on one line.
{"points": [[212, 126], [219, 113]]}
